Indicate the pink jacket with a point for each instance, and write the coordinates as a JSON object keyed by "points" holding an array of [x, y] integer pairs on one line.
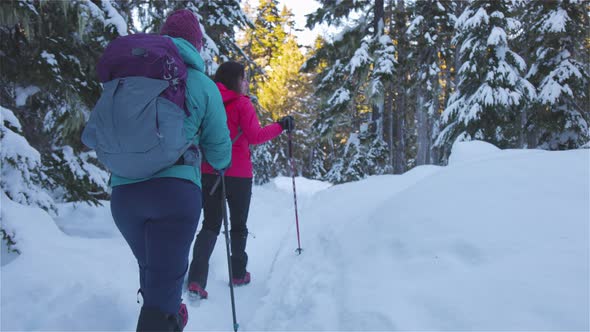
{"points": [[241, 115]]}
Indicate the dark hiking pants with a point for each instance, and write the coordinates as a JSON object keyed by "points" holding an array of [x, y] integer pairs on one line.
{"points": [[238, 193], [158, 218]]}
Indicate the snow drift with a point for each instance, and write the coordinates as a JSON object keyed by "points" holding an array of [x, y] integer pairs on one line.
{"points": [[497, 240]]}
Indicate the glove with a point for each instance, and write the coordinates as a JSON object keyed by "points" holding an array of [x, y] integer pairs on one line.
{"points": [[287, 122]]}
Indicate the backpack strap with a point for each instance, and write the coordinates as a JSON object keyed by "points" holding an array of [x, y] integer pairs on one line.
{"points": [[237, 136], [192, 155]]}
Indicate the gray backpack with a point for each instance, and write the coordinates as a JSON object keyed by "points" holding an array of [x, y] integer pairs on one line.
{"points": [[135, 131], [137, 125]]}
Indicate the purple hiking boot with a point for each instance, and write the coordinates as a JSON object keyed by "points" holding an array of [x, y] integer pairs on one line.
{"points": [[196, 290], [241, 281]]}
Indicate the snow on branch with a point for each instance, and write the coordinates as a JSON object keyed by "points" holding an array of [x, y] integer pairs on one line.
{"points": [[497, 37], [414, 25], [360, 58], [555, 21], [114, 18], [21, 165], [340, 96], [468, 21]]}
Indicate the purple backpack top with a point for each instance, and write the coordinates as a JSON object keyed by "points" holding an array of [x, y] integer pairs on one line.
{"points": [[146, 55]]}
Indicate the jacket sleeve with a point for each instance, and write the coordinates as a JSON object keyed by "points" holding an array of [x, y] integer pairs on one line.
{"points": [[214, 139], [250, 125]]}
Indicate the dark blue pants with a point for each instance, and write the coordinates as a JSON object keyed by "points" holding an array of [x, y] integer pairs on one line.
{"points": [[158, 218]]}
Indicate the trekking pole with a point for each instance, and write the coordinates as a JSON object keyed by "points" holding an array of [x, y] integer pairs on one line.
{"points": [[229, 266], [290, 144]]}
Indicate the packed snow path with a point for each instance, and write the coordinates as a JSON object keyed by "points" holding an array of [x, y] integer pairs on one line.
{"points": [[497, 240]]}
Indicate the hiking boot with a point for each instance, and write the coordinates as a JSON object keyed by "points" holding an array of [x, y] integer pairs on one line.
{"points": [[195, 289], [154, 320], [241, 281], [183, 315]]}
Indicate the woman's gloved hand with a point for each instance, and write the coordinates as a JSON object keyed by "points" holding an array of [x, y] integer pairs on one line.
{"points": [[287, 122]]}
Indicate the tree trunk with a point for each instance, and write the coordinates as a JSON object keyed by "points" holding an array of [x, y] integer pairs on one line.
{"points": [[378, 105], [388, 110], [389, 96], [400, 102], [422, 128], [522, 142], [378, 20]]}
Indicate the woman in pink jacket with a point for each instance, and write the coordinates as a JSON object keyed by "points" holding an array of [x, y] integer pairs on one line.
{"points": [[244, 129]]}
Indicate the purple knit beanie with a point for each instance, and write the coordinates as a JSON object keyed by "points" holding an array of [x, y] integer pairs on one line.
{"points": [[184, 24]]}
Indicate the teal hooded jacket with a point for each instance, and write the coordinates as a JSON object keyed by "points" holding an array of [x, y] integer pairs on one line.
{"points": [[204, 102]]}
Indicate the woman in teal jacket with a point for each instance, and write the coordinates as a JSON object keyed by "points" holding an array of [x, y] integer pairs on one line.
{"points": [[158, 216]]}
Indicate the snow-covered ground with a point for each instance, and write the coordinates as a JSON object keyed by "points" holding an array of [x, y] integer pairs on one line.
{"points": [[497, 240]]}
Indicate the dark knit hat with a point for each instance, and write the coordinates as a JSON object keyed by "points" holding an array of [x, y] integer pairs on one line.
{"points": [[184, 24]]}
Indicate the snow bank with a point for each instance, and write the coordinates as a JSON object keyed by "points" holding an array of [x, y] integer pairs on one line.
{"points": [[471, 151], [497, 240], [495, 244], [84, 220], [63, 283], [303, 186]]}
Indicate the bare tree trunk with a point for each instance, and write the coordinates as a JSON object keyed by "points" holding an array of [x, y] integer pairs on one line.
{"points": [[428, 132], [400, 102], [378, 104], [388, 110], [423, 140], [522, 143], [532, 135], [388, 100], [379, 14]]}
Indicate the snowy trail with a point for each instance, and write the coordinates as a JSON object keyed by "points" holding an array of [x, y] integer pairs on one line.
{"points": [[271, 223], [497, 240], [81, 267], [319, 294]]}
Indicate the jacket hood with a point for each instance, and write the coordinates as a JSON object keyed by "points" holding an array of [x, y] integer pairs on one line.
{"points": [[228, 95], [189, 54]]}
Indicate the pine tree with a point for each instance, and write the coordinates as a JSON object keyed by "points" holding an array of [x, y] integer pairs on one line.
{"points": [[263, 40], [286, 91], [279, 89], [315, 168], [23, 178], [48, 78], [221, 18], [554, 35], [491, 91], [402, 113], [262, 163], [357, 72], [431, 30], [218, 19], [345, 63], [268, 34], [362, 155], [48, 66]]}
